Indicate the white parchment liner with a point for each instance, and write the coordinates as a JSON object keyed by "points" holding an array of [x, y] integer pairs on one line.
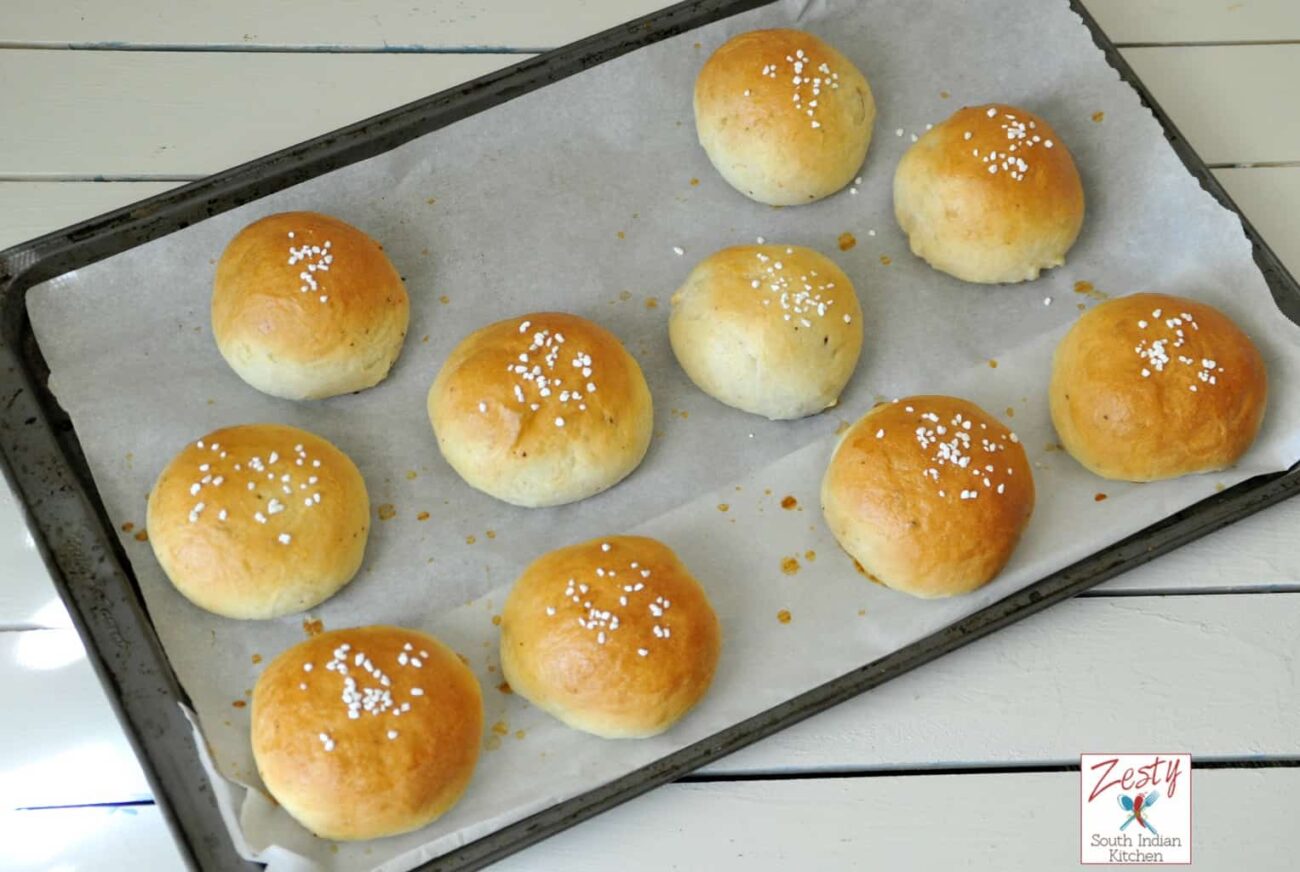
{"points": [[572, 198]]}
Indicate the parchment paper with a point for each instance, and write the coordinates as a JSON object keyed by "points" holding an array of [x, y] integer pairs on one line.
{"points": [[573, 198]]}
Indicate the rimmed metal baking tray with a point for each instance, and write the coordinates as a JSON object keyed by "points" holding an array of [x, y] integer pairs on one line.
{"points": [[43, 462]]}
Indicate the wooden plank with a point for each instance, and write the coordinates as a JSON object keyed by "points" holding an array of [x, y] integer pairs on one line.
{"points": [[1050, 687], [448, 24], [1024, 820], [60, 743], [395, 25], [1004, 821], [900, 822], [1165, 21], [1234, 104], [1038, 692], [1270, 198], [186, 114], [30, 209], [104, 839]]}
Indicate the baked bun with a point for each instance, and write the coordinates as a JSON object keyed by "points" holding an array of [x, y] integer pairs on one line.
{"points": [[770, 329], [990, 195], [367, 732], [783, 116], [929, 494], [305, 306], [259, 521], [1151, 386], [541, 410], [614, 637]]}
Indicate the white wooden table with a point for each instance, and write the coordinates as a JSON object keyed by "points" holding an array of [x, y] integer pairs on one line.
{"points": [[960, 763]]}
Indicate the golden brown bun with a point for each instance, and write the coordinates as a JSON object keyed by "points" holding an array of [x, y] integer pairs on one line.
{"points": [[541, 410], [282, 546], [785, 118], [399, 764], [614, 637], [931, 520], [770, 329], [1152, 386], [989, 198], [305, 306]]}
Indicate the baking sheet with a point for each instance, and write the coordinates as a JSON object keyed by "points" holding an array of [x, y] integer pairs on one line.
{"points": [[573, 197]]}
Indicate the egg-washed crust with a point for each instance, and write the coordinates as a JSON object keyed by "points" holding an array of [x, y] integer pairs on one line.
{"points": [[613, 636], [542, 409], [1153, 386], [930, 494], [990, 195], [775, 330], [784, 117], [367, 732], [259, 520], [306, 306]]}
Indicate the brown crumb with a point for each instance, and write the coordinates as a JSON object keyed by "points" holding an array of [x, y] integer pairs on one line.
{"points": [[519, 735], [841, 427], [810, 555], [723, 507], [425, 338], [622, 235], [491, 668], [1089, 290], [492, 743], [695, 182], [411, 475], [993, 364], [462, 658], [471, 539], [652, 302], [128, 527], [424, 252], [885, 259], [313, 626], [1011, 413], [431, 200], [788, 502], [504, 687], [257, 658], [491, 534], [142, 536], [846, 241], [1053, 446], [862, 613], [1099, 117], [783, 616], [422, 516], [625, 295], [387, 511], [789, 565], [1099, 497], [500, 728], [239, 703], [944, 95], [767, 491], [496, 620], [444, 299], [1080, 306]]}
